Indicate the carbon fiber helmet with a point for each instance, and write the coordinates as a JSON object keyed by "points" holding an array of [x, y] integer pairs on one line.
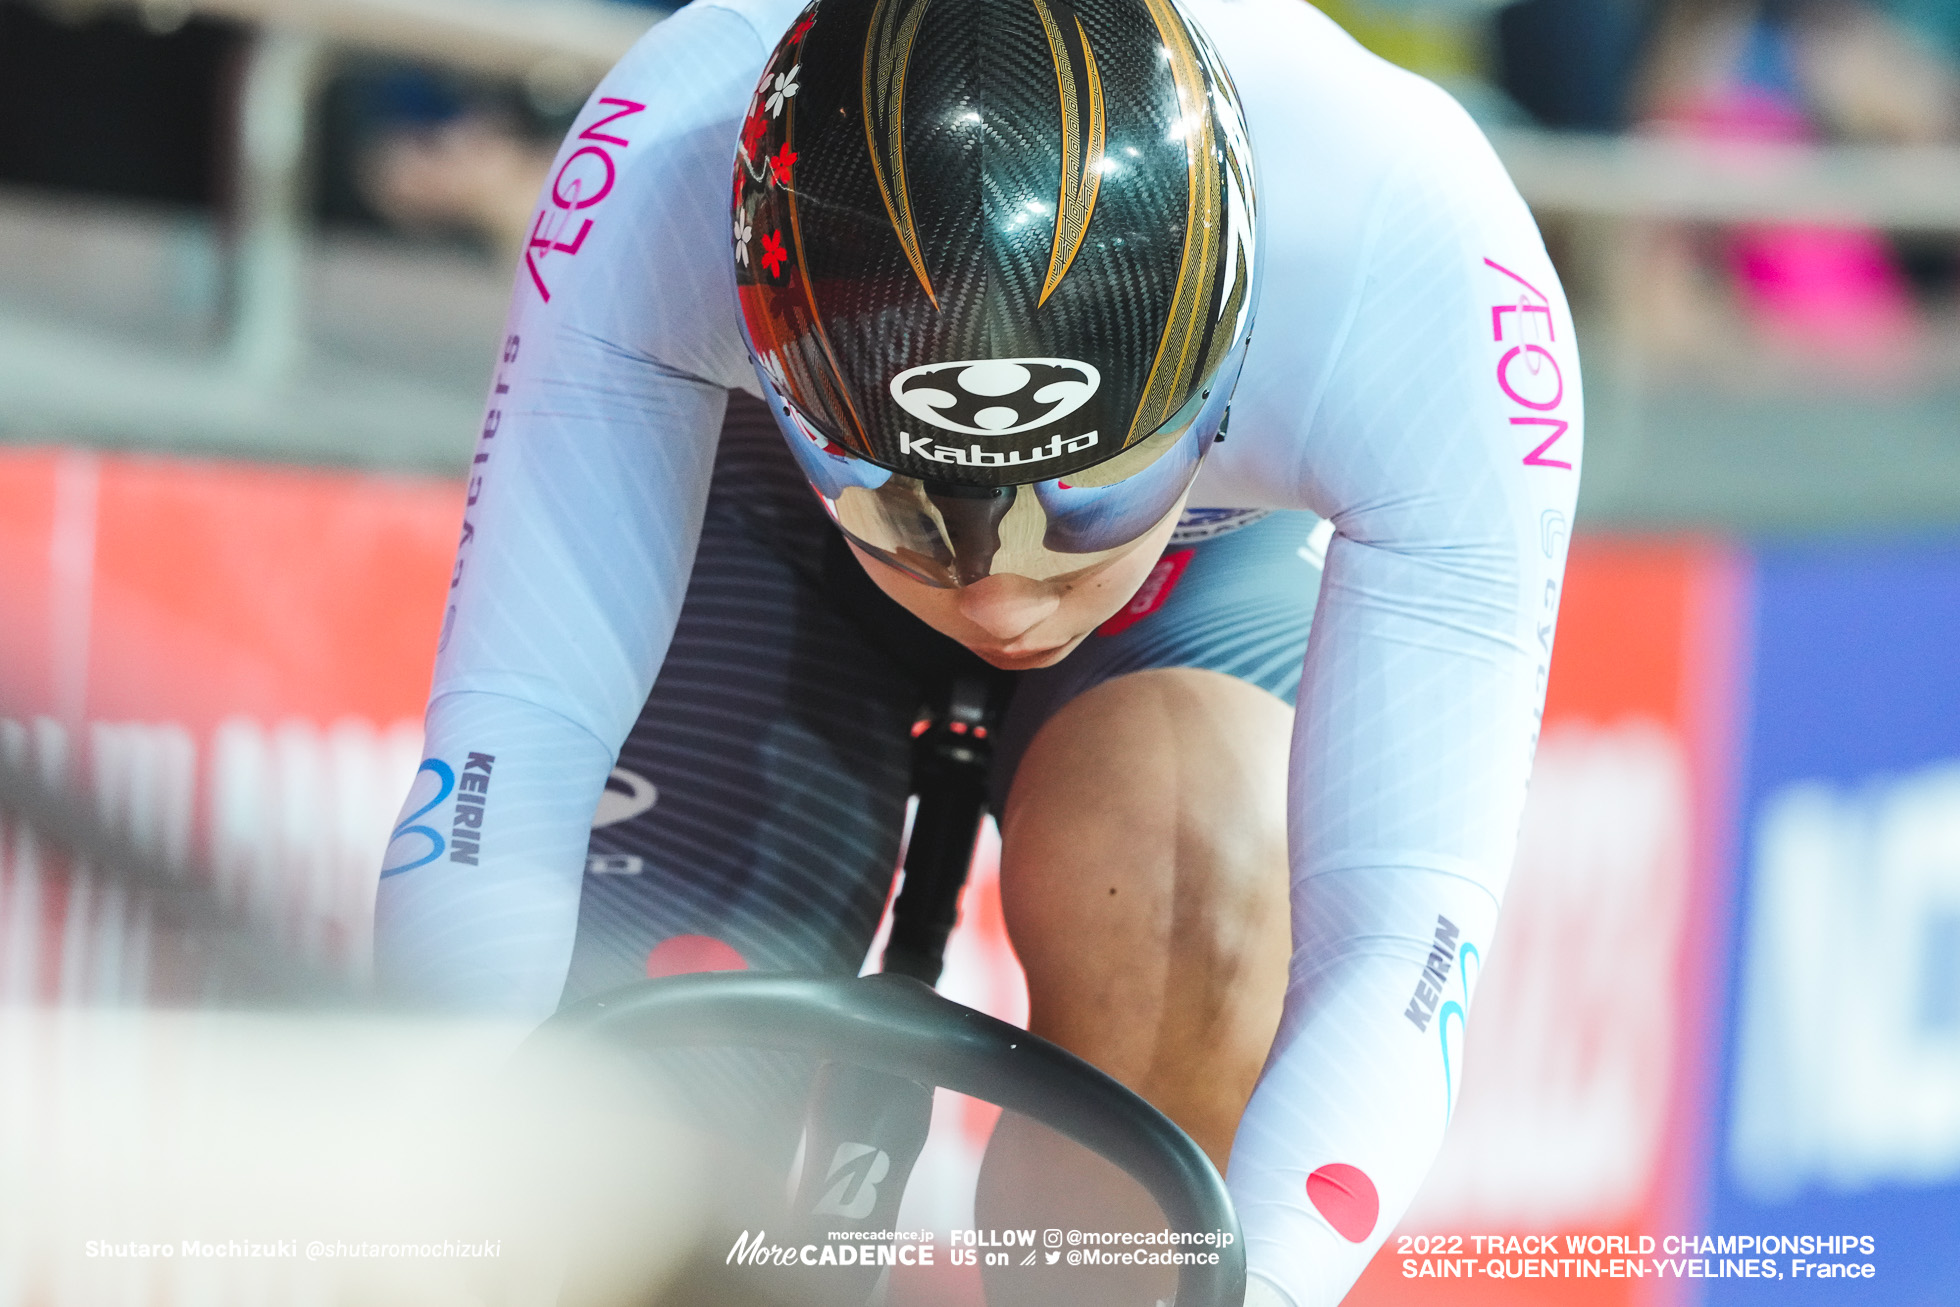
{"points": [[997, 262]]}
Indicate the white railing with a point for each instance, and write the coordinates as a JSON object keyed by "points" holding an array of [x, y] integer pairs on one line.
{"points": [[1654, 177], [559, 43], [1604, 185], [266, 389], [574, 42], [510, 37]]}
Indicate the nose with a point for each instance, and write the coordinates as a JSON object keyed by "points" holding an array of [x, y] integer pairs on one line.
{"points": [[1006, 607]]}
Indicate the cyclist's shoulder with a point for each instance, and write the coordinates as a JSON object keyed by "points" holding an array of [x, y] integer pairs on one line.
{"points": [[702, 60], [641, 182], [769, 19]]}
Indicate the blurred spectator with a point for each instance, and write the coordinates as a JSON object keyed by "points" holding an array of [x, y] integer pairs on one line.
{"points": [[431, 152], [1847, 70], [1935, 21], [137, 101], [1871, 77], [114, 103], [1800, 72], [473, 173], [1571, 63]]}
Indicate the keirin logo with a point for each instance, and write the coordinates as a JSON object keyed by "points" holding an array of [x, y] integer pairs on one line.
{"points": [[855, 1171], [995, 397], [411, 844]]}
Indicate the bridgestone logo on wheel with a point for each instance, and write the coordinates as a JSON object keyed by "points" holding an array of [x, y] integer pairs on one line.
{"points": [[855, 1171]]}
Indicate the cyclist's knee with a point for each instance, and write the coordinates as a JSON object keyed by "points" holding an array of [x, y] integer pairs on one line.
{"points": [[1144, 879], [1168, 782]]}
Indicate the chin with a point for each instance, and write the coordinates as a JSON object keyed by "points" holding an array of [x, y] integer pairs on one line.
{"points": [[1025, 662]]}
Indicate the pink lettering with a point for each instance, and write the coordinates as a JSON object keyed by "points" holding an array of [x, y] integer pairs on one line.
{"points": [[1536, 457], [577, 186], [578, 199], [1542, 296], [626, 110], [1529, 388], [543, 242], [577, 241], [1532, 354], [1497, 312]]}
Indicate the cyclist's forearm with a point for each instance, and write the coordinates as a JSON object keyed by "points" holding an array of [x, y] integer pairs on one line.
{"points": [[478, 901]]}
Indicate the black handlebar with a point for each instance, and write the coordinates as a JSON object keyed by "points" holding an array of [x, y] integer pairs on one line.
{"points": [[898, 1025]]}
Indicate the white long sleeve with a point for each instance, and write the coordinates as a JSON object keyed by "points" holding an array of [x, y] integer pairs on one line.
{"points": [[1412, 377], [1442, 438], [583, 508]]}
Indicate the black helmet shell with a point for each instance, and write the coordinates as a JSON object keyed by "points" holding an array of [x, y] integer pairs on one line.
{"points": [[993, 242]]}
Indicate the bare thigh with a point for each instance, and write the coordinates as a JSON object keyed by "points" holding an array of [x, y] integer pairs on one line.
{"points": [[1143, 876]]}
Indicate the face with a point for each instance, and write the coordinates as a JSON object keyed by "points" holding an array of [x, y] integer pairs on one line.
{"points": [[1019, 624]]}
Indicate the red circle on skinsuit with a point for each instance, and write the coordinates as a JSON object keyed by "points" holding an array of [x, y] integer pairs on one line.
{"points": [[680, 954], [1346, 1197]]}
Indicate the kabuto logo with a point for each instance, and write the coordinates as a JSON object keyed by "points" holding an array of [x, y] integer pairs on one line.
{"points": [[995, 397]]}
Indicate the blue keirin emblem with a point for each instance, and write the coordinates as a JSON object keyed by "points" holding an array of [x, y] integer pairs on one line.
{"points": [[445, 786]]}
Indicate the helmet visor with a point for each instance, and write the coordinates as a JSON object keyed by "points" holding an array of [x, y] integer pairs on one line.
{"points": [[949, 535]]}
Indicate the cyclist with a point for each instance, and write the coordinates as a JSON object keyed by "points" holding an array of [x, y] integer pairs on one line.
{"points": [[989, 286]]}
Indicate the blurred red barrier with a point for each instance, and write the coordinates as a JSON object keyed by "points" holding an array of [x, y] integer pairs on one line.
{"points": [[232, 660], [1583, 1111]]}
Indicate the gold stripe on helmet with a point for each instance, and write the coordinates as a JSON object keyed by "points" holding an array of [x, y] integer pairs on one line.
{"points": [[1177, 360], [887, 51], [1082, 143]]}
